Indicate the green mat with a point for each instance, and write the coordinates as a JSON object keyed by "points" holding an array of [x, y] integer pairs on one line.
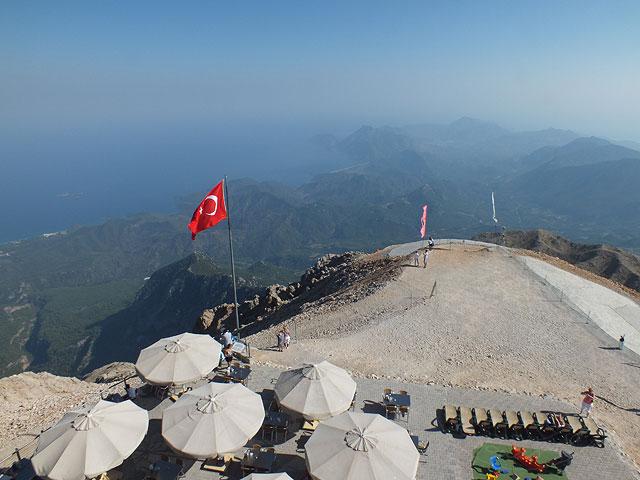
{"points": [[481, 465]]}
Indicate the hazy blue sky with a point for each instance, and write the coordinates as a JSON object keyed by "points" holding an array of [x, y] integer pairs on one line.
{"points": [[522, 64], [109, 107]]}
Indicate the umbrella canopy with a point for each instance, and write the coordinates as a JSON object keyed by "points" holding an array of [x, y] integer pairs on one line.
{"points": [[267, 476], [361, 445], [90, 441], [316, 391], [212, 420], [178, 360]]}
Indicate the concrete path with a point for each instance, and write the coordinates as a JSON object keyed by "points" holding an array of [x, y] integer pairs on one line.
{"points": [[614, 313]]}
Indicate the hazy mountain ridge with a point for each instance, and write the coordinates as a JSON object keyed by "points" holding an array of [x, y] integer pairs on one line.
{"points": [[49, 284], [166, 305]]}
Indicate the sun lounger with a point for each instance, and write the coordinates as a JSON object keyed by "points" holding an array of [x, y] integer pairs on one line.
{"points": [[465, 420], [498, 423], [529, 424], [515, 428], [575, 424], [452, 421], [481, 421], [596, 433]]}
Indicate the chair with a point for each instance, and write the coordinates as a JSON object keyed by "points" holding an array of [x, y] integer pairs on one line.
{"points": [[164, 458], [451, 419], [465, 421], [256, 448], [404, 411], [310, 426], [218, 464], [284, 429], [498, 423], [403, 392], [515, 428], [271, 449], [268, 429], [481, 421], [353, 402], [391, 409], [387, 391], [422, 447], [596, 433]]}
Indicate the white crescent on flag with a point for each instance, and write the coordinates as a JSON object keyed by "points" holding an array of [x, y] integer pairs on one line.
{"points": [[215, 199]]}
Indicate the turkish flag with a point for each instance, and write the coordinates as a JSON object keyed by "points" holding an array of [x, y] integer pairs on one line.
{"points": [[210, 211]]}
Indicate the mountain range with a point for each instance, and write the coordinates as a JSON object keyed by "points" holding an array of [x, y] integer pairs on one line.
{"points": [[61, 292]]}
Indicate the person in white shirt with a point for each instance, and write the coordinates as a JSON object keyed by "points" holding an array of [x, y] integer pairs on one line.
{"points": [[131, 392], [226, 337]]}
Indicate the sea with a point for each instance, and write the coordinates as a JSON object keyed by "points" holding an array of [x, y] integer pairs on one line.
{"points": [[53, 180]]}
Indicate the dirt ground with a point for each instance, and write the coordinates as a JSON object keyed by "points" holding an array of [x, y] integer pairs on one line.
{"points": [[489, 325]]}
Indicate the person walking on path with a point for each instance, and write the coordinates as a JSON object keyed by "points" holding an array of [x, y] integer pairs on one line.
{"points": [[621, 340], [425, 257], [587, 401], [416, 258], [431, 243]]}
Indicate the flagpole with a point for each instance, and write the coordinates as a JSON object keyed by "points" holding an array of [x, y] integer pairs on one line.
{"points": [[233, 269]]}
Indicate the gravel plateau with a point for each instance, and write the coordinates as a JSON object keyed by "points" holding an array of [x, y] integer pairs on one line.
{"points": [[490, 324]]}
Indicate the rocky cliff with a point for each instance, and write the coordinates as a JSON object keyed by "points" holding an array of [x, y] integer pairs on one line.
{"points": [[337, 278]]}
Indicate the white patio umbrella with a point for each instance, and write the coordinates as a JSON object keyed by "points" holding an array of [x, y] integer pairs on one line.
{"points": [[90, 441], [353, 445], [211, 420], [316, 391], [179, 359], [267, 476]]}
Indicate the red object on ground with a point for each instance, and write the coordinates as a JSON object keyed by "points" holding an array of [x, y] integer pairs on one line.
{"points": [[210, 211], [530, 463]]}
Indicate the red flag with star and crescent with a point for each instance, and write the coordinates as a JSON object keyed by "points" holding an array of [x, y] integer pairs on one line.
{"points": [[210, 211]]}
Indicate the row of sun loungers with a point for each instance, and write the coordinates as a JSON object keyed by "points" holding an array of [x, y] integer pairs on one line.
{"points": [[549, 426]]}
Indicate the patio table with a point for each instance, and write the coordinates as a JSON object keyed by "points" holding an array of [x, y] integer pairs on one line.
{"points": [[258, 460], [163, 470], [398, 399], [239, 374]]}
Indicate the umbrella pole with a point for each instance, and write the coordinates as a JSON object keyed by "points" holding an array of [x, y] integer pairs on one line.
{"points": [[233, 269]]}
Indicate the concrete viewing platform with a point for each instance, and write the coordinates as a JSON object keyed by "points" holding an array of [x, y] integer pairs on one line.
{"points": [[447, 457]]}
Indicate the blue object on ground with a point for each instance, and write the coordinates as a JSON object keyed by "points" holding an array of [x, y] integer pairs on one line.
{"points": [[495, 463]]}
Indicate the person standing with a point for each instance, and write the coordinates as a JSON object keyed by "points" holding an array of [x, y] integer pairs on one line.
{"points": [[621, 340], [425, 257], [280, 336], [131, 392], [431, 243], [227, 338], [416, 258], [587, 401], [287, 337]]}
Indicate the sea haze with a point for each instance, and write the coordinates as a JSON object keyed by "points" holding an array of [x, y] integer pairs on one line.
{"points": [[54, 180]]}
